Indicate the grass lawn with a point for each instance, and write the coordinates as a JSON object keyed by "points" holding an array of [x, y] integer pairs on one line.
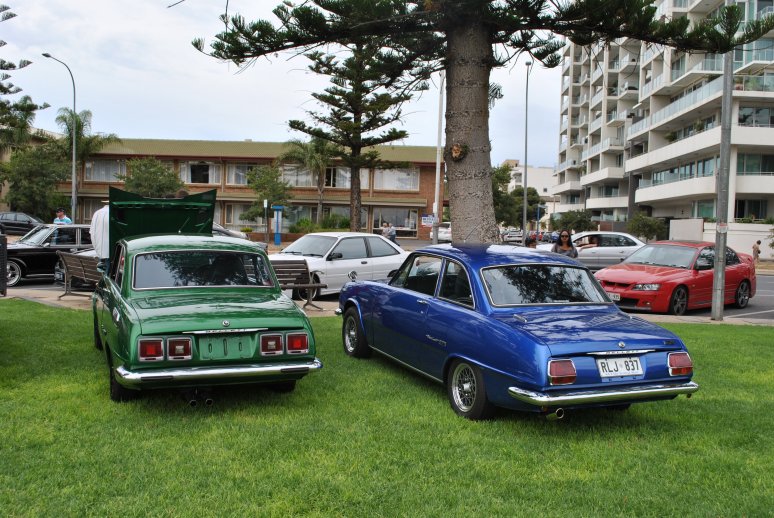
{"points": [[367, 438]]}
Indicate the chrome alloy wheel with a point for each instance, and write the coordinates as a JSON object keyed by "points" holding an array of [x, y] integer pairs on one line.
{"points": [[464, 387], [350, 335]]}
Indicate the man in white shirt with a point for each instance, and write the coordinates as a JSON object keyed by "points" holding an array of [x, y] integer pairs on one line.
{"points": [[100, 235]]}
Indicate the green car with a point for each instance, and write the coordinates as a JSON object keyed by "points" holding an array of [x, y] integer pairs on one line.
{"points": [[179, 308]]}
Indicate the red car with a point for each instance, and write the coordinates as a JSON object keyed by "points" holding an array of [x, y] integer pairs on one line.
{"points": [[675, 276]]}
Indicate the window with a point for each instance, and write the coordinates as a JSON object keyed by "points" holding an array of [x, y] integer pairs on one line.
{"points": [[704, 209], [379, 248], [117, 268], [200, 268], [234, 212], [420, 274], [396, 179], [404, 220], [456, 285], [297, 177], [753, 164], [85, 236], [236, 174], [339, 177], [200, 172], [350, 248], [105, 170], [64, 236]]}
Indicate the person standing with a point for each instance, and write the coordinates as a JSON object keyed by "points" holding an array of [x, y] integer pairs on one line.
{"points": [[757, 252], [100, 235], [61, 218], [564, 246]]}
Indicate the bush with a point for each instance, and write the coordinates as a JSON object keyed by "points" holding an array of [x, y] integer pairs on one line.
{"points": [[647, 227], [303, 226], [246, 229], [335, 221]]}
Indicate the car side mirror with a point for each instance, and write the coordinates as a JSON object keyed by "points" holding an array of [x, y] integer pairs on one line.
{"points": [[335, 255], [703, 264], [392, 273]]}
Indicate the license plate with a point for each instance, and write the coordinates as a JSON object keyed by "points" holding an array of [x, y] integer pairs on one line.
{"points": [[614, 296], [620, 366], [225, 347]]}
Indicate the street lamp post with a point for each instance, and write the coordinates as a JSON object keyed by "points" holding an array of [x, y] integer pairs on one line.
{"points": [[73, 130], [524, 176], [438, 206]]}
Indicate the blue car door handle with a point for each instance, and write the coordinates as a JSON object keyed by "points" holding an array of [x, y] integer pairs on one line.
{"points": [[422, 301]]}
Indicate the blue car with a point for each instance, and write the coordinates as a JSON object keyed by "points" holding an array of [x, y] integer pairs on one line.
{"points": [[504, 326]]}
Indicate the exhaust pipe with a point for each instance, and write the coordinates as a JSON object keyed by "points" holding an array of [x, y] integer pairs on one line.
{"points": [[193, 403], [555, 415], [209, 401]]}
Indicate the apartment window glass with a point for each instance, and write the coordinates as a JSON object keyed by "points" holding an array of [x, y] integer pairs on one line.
{"points": [[200, 172], [608, 191], [236, 174], [105, 170], [704, 209], [404, 220], [396, 179], [233, 215], [297, 177]]}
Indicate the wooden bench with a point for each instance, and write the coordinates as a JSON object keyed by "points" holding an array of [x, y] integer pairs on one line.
{"points": [[294, 274], [78, 266]]}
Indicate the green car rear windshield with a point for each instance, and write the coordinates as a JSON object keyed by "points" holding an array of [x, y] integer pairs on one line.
{"points": [[200, 268]]}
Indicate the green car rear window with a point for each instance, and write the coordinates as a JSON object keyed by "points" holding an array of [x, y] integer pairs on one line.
{"points": [[200, 268]]}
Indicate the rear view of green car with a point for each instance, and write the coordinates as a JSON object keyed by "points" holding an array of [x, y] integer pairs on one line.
{"points": [[179, 308]]}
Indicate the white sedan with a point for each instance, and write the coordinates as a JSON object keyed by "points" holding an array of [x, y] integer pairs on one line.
{"points": [[600, 249], [332, 255]]}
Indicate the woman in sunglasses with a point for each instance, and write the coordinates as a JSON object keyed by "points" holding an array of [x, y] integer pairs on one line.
{"points": [[564, 246]]}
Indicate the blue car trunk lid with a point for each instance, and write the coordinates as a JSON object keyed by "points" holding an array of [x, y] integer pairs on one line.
{"points": [[585, 331]]}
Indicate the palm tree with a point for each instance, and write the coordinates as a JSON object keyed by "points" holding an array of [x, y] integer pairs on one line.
{"points": [[86, 144], [315, 156]]}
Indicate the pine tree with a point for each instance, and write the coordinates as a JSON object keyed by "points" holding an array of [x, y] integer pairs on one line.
{"points": [[468, 38]]}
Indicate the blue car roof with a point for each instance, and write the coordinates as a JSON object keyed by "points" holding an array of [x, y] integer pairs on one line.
{"points": [[482, 255]]}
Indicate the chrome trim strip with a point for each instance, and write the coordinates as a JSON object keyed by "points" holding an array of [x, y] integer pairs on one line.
{"points": [[128, 378], [225, 331], [621, 353], [602, 396]]}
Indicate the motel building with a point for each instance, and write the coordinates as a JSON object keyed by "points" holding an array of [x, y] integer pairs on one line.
{"points": [[401, 195]]}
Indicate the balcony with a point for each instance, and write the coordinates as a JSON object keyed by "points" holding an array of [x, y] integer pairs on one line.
{"points": [[595, 124], [567, 164], [605, 145], [628, 91], [567, 207], [606, 173], [701, 187], [612, 202], [571, 186], [707, 66]]}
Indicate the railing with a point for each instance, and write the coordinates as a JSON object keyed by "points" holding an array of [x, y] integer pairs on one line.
{"points": [[651, 85], [754, 83], [695, 97], [597, 97], [595, 124]]}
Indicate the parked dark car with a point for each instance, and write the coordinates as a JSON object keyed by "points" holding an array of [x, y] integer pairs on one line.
{"points": [[17, 223], [501, 326], [34, 254]]}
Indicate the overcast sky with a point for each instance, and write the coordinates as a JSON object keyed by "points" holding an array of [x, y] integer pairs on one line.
{"points": [[137, 72]]}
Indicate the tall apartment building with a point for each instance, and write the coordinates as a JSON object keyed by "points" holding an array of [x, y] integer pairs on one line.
{"points": [[640, 126]]}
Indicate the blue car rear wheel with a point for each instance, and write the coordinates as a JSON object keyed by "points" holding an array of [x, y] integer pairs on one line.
{"points": [[466, 391]]}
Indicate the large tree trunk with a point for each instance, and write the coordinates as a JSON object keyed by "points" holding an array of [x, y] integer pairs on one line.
{"points": [[466, 153], [354, 199], [320, 190]]}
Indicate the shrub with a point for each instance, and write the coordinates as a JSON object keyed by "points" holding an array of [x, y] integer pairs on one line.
{"points": [[247, 229], [335, 221], [303, 226], [647, 227]]}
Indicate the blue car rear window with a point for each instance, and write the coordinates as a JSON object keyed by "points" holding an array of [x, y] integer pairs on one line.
{"points": [[541, 284]]}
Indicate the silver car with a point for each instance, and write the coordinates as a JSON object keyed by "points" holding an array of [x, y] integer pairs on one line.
{"points": [[600, 249]]}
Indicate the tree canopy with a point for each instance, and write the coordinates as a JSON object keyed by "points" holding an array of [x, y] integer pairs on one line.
{"points": [[16, 115], [468, 38], [32, 175], [151, 178], [268, 185]]}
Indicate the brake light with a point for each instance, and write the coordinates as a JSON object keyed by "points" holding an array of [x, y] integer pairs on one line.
{"points": [[271, 345], [151, 349], [680, 364], [298, 343], [179, 348], [561, 372]]}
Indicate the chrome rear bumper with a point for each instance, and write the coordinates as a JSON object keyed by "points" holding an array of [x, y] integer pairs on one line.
{"points": [[603, 396], [133, 379]]}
